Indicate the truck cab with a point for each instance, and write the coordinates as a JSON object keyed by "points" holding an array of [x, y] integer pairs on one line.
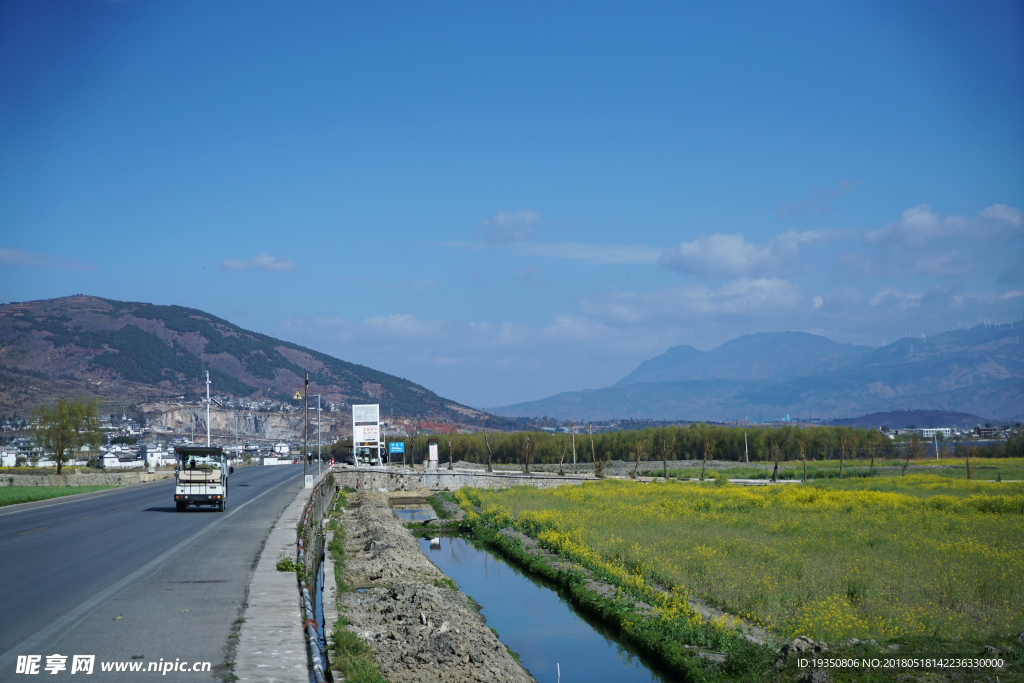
{"points": [[201, 477]]}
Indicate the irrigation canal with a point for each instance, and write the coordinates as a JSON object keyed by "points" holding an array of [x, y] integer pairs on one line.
{"points": [[553, 641]]}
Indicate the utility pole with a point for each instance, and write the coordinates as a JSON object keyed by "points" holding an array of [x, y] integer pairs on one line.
{"points": [[746, 453], [305, 432], [319, 455], [207, 408], [572, 428]]}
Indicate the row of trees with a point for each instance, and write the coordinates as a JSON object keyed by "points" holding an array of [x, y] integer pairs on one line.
{"points": [[694, 442]]}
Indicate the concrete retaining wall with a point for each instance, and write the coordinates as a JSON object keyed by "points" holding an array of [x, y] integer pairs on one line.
{"points": [[111, 479], [445, 480]]}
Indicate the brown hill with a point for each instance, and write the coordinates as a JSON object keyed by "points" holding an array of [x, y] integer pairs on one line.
{"points": [[127, 353]]}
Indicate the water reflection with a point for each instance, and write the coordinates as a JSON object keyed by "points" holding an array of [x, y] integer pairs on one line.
{"points": [[535, 620], [415, 513]]}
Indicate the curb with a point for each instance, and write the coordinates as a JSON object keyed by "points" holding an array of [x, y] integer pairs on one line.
{"points": [[271, 643]]}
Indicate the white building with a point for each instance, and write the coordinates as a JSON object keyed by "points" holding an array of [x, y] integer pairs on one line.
{"points": [[110, 461], [930, 432]]}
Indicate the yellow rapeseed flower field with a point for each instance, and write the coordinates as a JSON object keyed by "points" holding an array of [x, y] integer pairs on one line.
{"points": [[925, 557]]}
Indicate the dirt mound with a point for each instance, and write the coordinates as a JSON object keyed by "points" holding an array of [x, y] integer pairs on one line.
{"points": [[380, 551], [425, 633], [417, 629]]}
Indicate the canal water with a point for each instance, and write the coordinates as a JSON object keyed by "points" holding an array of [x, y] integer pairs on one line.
{"points": [[552, 641]]}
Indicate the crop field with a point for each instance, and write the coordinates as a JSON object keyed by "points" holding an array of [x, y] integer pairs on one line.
{"points": [[9, 495], [884, 557], [982, 469]]}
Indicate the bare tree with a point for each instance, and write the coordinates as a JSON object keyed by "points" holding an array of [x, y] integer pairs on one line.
{"points": [[913, 448], [774, 449], [875, 443], [524, 446], [449, 440], [845, 438], [667, 446], [709, 450], [799, 441], [640, 445], [487, 442]]}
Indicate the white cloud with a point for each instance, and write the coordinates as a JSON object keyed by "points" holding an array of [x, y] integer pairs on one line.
{"points": [[986, 298], [923, 243], [28, 259], [887, 296], [270, 264], [507, 228], [721, 255], [744, 296], [920, 227], [817, 302]]}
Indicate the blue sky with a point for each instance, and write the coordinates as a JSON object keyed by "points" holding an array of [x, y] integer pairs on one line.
{"points": [[502, 201]]}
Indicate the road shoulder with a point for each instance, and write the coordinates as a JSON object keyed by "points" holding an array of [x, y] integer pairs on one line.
{"points": [[271, 645]]}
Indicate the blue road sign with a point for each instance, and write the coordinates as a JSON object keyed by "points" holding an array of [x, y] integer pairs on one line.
{"points": [[396, 447]]}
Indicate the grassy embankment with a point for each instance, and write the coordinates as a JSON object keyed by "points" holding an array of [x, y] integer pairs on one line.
{"points": [[349, 654], [9, 495], [982, 469], [934, 564]]}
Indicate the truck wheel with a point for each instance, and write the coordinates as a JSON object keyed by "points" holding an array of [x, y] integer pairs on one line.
{"points": [[223, 504], [180, 505]]}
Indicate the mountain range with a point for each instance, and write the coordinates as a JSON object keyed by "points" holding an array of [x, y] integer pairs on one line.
{"points": [[765, 376], [126, 353]]}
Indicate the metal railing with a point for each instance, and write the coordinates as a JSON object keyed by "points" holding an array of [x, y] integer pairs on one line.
{"points": [[310, 556]]}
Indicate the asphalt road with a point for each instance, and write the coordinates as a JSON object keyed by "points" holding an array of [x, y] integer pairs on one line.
{"points": [[120, 574]]}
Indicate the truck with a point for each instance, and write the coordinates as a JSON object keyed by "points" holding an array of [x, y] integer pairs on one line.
{"points": [[367, 455], [201, 477]]}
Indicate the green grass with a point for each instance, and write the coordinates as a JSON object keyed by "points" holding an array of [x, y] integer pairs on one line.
{"points": [[352, 657], [883, 558], [10, 495], [438, 502], [336, 547], [349, 654], [929, 564]]}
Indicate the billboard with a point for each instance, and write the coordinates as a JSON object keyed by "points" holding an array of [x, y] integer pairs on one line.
{"points": [[367, 413], [364, 433]]}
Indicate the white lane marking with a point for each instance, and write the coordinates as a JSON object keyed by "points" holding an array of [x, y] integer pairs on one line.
{"points": [[70, 619]]}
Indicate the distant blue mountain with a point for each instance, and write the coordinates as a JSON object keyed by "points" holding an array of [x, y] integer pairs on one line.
{"points": [[766, 355], [765, 376]]}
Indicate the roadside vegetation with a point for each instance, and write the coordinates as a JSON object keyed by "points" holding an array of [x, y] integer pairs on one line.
{"points": [[349, 654], [886, 558], [10, 495]]}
